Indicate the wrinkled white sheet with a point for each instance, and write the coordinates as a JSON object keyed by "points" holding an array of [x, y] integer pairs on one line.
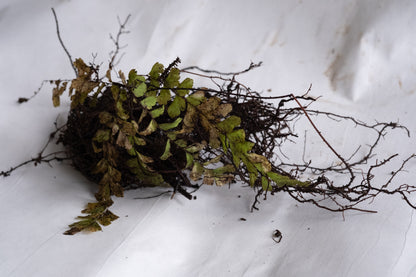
{"points": [[360, 57]]}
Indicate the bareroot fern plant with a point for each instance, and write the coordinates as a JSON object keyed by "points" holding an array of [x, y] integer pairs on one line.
{"points": [[158, 129], [148, 130]]}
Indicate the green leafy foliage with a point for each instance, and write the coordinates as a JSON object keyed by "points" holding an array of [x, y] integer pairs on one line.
{"points": [[150, 122], [164, 97], [176, 107], [149, 102], [102, 135], [157, 112], [140, 90], [196, 98], [173, 78], [229, 124], [171, 125], [186, 84], [281, 180], [166, 154]]}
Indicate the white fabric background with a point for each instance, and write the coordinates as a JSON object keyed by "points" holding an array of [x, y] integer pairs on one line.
{"points": [[360, 57]]}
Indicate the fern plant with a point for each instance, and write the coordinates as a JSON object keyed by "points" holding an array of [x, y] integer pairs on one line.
{"points": [[157, 129], [153, 130]]}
